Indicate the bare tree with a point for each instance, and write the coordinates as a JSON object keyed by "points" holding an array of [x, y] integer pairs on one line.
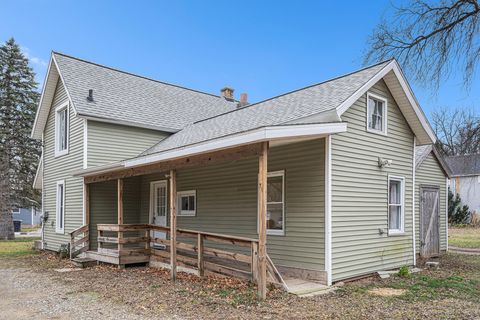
{"points": [[458, 131], [429, 38]]}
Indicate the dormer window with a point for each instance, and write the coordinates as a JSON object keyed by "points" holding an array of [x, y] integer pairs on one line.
{"points": [[376, 114], [61, 130]]}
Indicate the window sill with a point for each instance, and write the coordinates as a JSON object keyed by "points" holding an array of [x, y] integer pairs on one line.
{"points": [[396, 233], [60, 231], [185, 214], [61, 153], [275, 233], [382, 133]]}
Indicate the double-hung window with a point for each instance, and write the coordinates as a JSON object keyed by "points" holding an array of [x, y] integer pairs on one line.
{"points": [[60, 207], [187, 203], [61, 130], [396, 204], [376, 114], [276, 203]]}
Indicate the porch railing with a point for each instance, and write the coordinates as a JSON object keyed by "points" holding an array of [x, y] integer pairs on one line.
{"points": [[210, 252], [207, 252], [79, 241]]}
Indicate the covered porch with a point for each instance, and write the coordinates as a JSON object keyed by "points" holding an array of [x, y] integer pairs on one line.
{"points": [[255, 212]]}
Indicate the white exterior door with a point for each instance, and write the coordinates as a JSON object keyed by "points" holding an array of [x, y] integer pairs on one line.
{"points": [[158, 206]]}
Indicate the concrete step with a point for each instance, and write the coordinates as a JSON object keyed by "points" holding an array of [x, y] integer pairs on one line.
{"points": [[84, 262]]}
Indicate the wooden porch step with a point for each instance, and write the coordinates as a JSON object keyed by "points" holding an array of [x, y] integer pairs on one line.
{"points": [[84, 262]]}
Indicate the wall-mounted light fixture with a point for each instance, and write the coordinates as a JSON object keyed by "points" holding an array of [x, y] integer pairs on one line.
{"points": [[382, 163]]}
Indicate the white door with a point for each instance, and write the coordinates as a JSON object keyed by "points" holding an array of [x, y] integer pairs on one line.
{"points": [[158, 206]]}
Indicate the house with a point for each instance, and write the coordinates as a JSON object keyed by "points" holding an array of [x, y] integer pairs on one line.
{"points": [[317, 183], [28, 216], [466, 179], [431, 187]]}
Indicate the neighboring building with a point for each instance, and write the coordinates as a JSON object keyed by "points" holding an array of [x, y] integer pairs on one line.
{"points": [[431, 180], [466, 179], [28, 216], [340, 193]]}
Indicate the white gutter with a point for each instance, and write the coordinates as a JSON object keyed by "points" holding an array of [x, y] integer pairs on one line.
{"points": [[244, 138]]}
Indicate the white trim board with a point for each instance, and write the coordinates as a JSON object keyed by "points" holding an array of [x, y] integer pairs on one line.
{"points": [[392, 66], [64, 106], [85, 143], [249, 137], [328, 208], [46, 98], [414, 231], [384, 131]]}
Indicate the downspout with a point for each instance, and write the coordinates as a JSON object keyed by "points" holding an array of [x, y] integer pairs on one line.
{"points": [[328, 208], [414, 233]]}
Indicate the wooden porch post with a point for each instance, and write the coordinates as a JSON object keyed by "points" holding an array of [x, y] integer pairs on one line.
{"points": [[119, 201], [173, 224], [262, 222], [87, 204], [120, 212], [87, 211]]}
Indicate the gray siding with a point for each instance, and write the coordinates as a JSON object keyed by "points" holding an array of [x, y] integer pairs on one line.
{"points": [[109, 142], [431, 173], [359, 192], [227, 201], [61, 168]]}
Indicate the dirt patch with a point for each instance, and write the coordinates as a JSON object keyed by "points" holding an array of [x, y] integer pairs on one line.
{"points": [[387, 292], [106, 292]]}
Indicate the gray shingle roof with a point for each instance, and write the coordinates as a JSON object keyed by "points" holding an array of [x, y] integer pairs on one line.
{"points": [[287, 108], [464, 165], [421, 153], [124, 97]]}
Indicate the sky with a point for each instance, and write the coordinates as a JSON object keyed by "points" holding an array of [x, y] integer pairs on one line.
{"points": [[263, 48]]}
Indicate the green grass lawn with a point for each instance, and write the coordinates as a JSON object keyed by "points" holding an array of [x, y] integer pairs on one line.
{"points": [[17, 247], [465, 237]]}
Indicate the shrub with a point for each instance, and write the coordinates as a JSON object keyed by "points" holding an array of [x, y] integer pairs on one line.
{"points": [[404, 272], [457, 214]]}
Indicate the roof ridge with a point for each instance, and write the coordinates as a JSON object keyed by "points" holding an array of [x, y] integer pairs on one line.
{"points": [[136, 75], [296, 90]]}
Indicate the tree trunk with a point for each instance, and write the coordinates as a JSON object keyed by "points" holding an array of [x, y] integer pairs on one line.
{"points": [[6, 225]]}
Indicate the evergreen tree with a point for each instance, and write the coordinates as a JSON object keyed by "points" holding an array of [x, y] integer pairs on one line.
{"points": [[19, 154]]}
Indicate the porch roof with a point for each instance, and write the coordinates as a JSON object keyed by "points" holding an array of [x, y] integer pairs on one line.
{"points": [[290, 133]]}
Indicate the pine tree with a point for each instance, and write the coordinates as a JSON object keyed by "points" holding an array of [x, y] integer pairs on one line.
{"points": [[19, 154]]}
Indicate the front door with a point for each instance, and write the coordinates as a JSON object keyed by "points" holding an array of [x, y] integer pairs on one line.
{"points": [[158, 206], [429, 221]]}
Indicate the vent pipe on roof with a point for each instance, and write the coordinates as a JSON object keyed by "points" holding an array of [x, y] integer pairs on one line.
{"points": [[227, 93], [90, 95]]}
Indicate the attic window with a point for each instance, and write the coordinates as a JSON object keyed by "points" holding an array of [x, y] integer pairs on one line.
{"points": [[376, 114], [61, 130]]}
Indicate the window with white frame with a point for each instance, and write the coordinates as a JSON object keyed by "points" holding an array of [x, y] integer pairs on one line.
{"points": [[187, 203], [60, 207], [396, 204], [61, 130], [276, 203], [376, 114], [16, 210]]}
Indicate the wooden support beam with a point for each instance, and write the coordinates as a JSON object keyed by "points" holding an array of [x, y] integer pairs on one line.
{"points": [[201, 263], [120, 211], [262, 222], [254, 262], [87, 203], [173, 224], [200, 160]]}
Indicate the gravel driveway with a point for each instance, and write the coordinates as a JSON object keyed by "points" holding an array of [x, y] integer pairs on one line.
{"points": [[22, 298]]}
